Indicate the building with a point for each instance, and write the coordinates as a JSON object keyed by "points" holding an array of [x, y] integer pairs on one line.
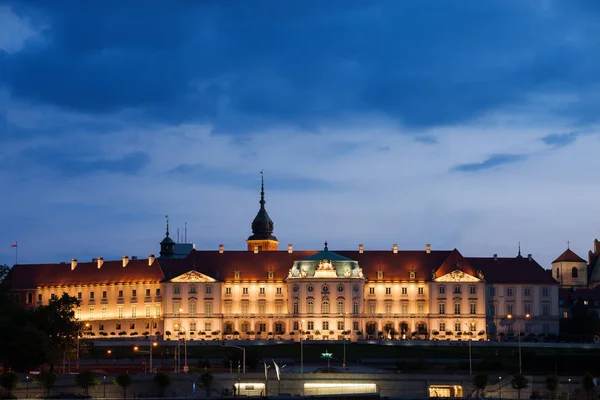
{"points": [[265, 292]]}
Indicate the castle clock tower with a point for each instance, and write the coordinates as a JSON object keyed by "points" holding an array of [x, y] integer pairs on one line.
{"points": [[262, 227]]}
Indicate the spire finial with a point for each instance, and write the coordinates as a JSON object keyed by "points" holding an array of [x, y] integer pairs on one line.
{"points": [[568, 244], [519, 248], [262, 189], [326, 248], [167, 217]]}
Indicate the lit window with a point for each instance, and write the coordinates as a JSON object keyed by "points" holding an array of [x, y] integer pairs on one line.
{"points": [[192, 309], [404, 290], [442, 308], [388, 290], [456, 308], [355, 307], [148, 310], [310, 307], [208, 309], [261, 290], [325, 307], [340, 307], [340, 325], [420, 290], [133, 311], [388, 308], [120, 312], [371, 290], [262, 308], [176, 289], [295, 307], [442, 289], [227, 290], [473, 290], [473, 308], [92, 312], [325, 325], [207, 326], [245, 290], [278, 290], [209, 290], [420, 308], [371, 308]]}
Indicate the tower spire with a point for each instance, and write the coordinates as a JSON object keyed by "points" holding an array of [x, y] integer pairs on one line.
{"points": [[262, 225], [262, 190], [519, 255], [167, 217]]}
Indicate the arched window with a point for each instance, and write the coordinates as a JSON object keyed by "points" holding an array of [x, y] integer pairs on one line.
{"points": [[355, 307], [325, 307], [29, 298], [310, 307], [295, 307], [557, 273], [340, 308], [228, 327], [574, 272]]}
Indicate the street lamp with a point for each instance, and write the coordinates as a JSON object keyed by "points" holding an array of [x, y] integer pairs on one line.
{"points": [[509, 316], [569, 389], [500, 386], [301, 348], [470, 359], [105, 386], [27, 387]]}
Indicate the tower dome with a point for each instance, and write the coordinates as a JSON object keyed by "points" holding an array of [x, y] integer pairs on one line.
{"points": [[262, 226]]}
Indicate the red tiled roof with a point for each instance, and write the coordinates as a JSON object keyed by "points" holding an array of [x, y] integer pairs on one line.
{"points": [[511, 270], [568, 256], [29, 276]]}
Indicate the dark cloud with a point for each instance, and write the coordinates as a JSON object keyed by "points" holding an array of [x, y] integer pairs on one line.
{"points": [[560, 139], [244, 65], [493, 161]]}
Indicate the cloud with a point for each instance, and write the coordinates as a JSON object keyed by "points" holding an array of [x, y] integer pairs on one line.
{"points": [[560, 139], [427, 139], [15, 31], [493, 161]]}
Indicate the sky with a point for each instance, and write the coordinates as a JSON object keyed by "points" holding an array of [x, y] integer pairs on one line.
{"points": [[468, 124]]}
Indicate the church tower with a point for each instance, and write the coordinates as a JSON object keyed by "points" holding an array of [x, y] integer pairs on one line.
{"points": [[262, 238], [167, 246]]}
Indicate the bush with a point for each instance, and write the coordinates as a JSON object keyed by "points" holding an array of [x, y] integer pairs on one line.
{"points": [[86, 380], [162, 381], [46, 379], [9, 381], [123, 381]]}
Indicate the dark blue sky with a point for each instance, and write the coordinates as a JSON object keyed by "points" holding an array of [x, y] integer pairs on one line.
{"points": [[463, 124]]}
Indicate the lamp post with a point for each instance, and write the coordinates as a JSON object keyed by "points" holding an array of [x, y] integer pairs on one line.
{"points": [[104, 386], [569, 389], [243, 354], [509, 316], [500, 386], [470, 358], [151, 345], [27, 387], [301, 347]]}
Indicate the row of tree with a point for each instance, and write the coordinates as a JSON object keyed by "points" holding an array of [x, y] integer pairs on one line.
{"points": [[520, 382], [86, 380]]}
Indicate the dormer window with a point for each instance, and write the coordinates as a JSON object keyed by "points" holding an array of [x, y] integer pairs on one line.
{"points": [[380, 274], [236, 274], [412, 275], [270, 275]]}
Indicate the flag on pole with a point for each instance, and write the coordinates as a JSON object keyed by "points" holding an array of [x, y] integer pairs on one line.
{"points": [[276, 370], [15, 244]]}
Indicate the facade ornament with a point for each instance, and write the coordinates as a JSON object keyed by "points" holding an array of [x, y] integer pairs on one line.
{"points": [[303, 274], [325, 265], [294, 272], [480, 274], [347, 273], [357, 273]]}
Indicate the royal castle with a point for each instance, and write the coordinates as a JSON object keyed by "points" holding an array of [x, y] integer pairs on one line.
{"points": [[266, 292]]}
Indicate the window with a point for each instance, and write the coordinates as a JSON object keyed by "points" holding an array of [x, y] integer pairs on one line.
{"points": [[208, 309], [228, 307], [545, 310], [388, 308], [442, 289], [296, 325], [147, 292], [176, 289], [103, 312], [148, 311], [133, 311], [325, 325], [91, 295], [457, 327], [557, 273], [371, 308], [278, 308], [341, 288], [278, 291], [120, 294], [118, 326], [574, 272], [262, 308], [310, 325], [245, 290], [158, 292], [340, 307], [388, 290], [120, 312], [565, 314], [262, 327], [442, 308], [509, 291], [261, 290], [457, 289], [310, 306], [91, 311], [509, 309], [310, 288], [39, 297], [325, 307], [371, 290], [527, 308], [472, 290], [355, 325], [208, 289], [176, 307], [157, 311], [456, 308], [473, 308], [193, 309], [527, 292], [420, 308], [245, 308], [404, 308], [207, 326], [545, 291], [101, 327], [442, 327], [340, 325], [134, 293], [295, 307], [404, 290], [491, 309], [492, 291], [192, 289], [79, 295], [278, 327], [473, 327], [227, 290], [192, 326], [420, 290], [355, 307], [78, 315], [355, 288], [104, 294]]}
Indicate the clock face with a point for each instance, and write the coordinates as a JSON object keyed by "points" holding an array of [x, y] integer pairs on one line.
{"points": [[296, 287]]}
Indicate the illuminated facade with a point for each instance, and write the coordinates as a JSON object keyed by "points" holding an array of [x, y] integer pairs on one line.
{"points": [[265, 293]]}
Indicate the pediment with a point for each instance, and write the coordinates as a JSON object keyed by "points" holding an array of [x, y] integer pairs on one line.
{"points": [[457, 276], [192, 276]]}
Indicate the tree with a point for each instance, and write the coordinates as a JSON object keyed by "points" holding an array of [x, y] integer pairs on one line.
{"points": [[46, 379], [587, 383], [86, 380], [9, 381], [124, 382], [481, 381], [519, 382], [162, 381], [4, 270], [552, 384], [206, 380]]}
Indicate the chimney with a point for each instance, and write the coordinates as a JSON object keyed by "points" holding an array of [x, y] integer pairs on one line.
{"points": [[125, 261], [361, 248], [395, 248], [150, 259], [529, 257], [596, 246], [290, 248], [428, 248], [221, 249], [73, 263], [255, 249], [100, 262], [495, 257]]}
